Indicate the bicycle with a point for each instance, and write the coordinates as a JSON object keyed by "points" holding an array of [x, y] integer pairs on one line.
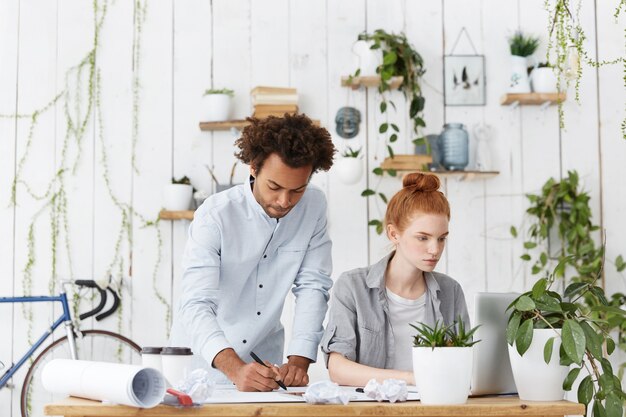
{"points": [[97, 345]]}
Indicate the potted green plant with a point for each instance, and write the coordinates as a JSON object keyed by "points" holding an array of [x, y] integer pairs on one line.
{"points": [[399, 59], [177, 194], [561, 231], [571, 330], [543, 79], [218, 104], [442, 362], [349, 167], [521, 46]]}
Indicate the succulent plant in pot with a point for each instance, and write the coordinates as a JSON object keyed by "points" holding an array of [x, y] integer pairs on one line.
{"points": [[349, 167], [548, 332], [442, 362], [218, 104]]}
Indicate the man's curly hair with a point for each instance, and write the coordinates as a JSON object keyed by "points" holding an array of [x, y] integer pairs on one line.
{"points": [[294, 138]]}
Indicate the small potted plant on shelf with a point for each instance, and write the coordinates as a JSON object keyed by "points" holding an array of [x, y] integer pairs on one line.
{"points": [[177, 195], [522, 46], [442, 362], [548, 333], [218, 104], [543, 79], [349, 167]]}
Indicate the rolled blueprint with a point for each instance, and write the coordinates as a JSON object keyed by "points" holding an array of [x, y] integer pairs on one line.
{"points": [[114, 382]]}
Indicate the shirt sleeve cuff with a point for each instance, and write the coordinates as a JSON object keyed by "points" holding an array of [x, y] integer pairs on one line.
{"points": [[213, 347], [304, 348]]}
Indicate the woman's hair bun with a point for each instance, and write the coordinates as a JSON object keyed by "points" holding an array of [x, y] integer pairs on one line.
{"points": [[418, 181]]}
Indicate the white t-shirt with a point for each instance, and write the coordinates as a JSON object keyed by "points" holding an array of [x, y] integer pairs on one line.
{"points": [[403, 311]]}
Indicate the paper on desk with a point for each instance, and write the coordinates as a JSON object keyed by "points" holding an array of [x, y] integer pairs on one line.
{"points": [[228, 394], [118, 383]]}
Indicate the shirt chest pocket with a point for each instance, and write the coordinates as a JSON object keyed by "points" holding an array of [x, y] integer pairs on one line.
{"points": [[291, 254]]}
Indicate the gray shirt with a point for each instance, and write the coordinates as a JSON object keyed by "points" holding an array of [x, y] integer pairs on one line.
{"points": [[359, 327]]}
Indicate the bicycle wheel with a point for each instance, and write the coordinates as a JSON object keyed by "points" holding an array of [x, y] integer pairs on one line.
{"points": [[94, 345]]}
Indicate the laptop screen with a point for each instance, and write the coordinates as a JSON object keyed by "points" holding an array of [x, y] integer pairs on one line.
{"points": [[491, 373]]}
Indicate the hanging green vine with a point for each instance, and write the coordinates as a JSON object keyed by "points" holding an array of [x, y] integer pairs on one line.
{"points": [[79, 101], [399, 59], [565, 49]]}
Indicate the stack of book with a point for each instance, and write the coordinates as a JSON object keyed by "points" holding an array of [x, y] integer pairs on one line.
{"points": [[274, 101]]}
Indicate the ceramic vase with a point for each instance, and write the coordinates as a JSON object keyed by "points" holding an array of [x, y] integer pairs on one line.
{"points": [[518, 81], [443, 375], [535, 379], [217, 107]]}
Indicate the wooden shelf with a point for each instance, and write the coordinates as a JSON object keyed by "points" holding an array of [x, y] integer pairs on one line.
{"points": [[460, 175], [534, 99], [405, 164], [229, 124], [176, 215], [369, 81]]}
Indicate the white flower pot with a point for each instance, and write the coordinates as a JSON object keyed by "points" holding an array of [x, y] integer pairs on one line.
{"points": [[543, 80], [177, 196], [367, 59], [518, 82], [217, 107], [349, 170], [535, 380], [443, 375]]}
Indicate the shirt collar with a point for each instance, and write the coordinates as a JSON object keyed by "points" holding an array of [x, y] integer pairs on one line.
{"points": [[376, 276], [247, 190]]}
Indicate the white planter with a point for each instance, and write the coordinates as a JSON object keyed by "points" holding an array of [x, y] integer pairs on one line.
{"points": [[177, 196], [443, 375], [536, 380], [349, 170], [543, 80], [518, 82], [367, 59], [217, 107]]}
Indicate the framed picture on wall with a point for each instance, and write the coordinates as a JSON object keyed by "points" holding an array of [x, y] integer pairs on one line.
{"points": [[464, 80]]}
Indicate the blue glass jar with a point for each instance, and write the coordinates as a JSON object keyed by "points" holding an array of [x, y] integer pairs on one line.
{"points": [[454, 146]]}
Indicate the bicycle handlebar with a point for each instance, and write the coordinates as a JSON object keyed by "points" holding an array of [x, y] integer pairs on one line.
{"points": [[89, 283]]}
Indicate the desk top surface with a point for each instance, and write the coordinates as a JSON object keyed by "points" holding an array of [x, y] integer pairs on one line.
{"points": [[484, 406]]}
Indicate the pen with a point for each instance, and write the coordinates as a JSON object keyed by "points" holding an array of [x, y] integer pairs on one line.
{"points": [[258, 360]]}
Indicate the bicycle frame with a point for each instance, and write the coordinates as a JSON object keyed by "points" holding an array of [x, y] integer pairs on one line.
{"points": [[64, 318]]}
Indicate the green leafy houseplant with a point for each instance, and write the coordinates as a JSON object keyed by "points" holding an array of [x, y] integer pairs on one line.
{"points": [[226, 91], [582, 337], [563, 207], [444, 336], [400, 58], [523, 45]]}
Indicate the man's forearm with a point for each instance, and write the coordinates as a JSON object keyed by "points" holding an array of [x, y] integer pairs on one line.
{"points": [[228, 362]]}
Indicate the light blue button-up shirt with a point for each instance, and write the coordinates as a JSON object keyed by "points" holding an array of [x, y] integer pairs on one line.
{"points": [[238, 267]]}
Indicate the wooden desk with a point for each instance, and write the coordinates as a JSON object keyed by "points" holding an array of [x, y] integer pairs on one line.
{"points": [[490, 407]]}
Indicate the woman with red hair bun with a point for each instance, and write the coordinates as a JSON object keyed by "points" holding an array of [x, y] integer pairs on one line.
{"points": [[368, 333]]}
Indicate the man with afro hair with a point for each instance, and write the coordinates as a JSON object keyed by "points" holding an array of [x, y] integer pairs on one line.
{"points": [[248, 247]]}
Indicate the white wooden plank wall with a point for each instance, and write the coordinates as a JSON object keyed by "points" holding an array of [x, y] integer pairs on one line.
{"points": [[187, 47]]}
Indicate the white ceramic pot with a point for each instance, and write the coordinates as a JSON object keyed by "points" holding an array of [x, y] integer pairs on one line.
{"points": [[518, 82], [543, 80], [177, 196], [349, 170], [535, 380], [443, 375], [367, 59], [218, 107]]}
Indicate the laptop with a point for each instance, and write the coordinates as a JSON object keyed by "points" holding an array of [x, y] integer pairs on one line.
{"points": [[491, 373]]}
